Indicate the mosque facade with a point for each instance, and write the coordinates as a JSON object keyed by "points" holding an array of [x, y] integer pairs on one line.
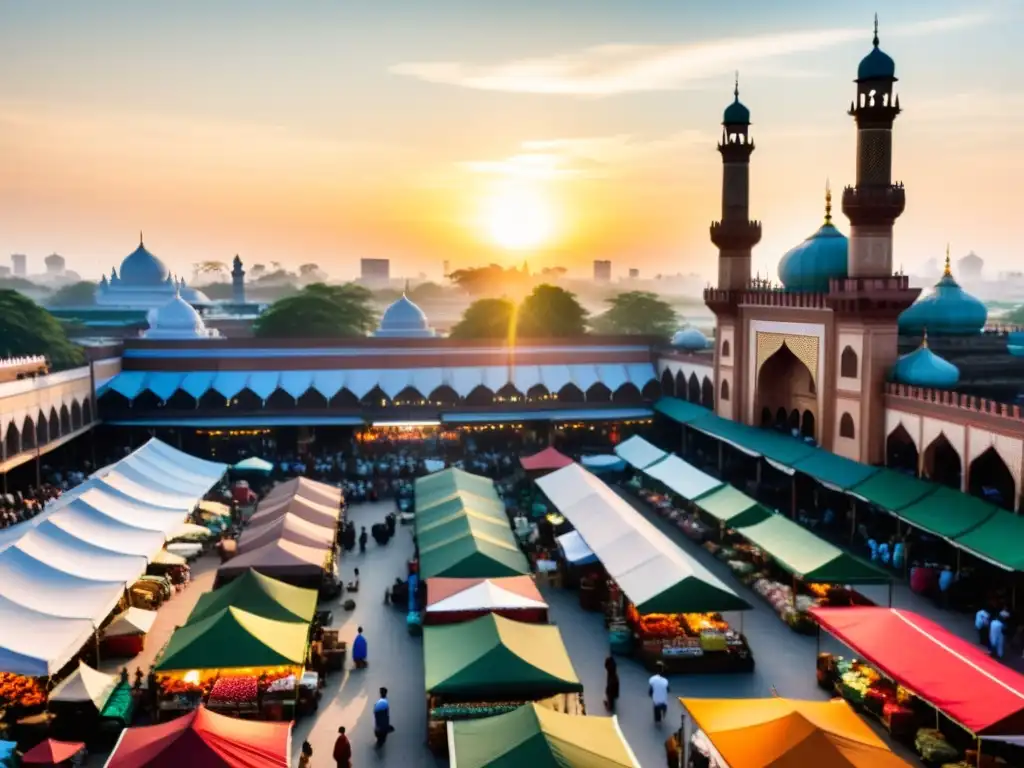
{"points": [[143, 283]]}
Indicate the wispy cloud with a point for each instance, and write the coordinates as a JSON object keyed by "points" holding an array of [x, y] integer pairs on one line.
{"points": [[607, 70]]}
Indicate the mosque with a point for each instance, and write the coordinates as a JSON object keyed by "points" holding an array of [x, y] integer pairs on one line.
{"points": [[144, 283]]}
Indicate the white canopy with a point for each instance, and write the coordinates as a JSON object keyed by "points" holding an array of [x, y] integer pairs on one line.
{"points": [[63, 551], [36, 644], [190, 529], [682, 478], [485, 595], [34, 584], [575, 548], [215, 508], [85, 684], [134, 621], [163, 557], [639, 453], [92, 526]]}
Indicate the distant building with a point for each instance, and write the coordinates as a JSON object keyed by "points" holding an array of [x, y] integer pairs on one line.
{"points": [[969, 267], [602, 271], [54, 264], [5, 271], [375, 272], [634, 274], [144, 283], [19, 263], [237, 281]]}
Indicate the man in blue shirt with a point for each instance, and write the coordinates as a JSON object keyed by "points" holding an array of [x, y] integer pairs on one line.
{"points": [[382, 718], [946, 579], [359, 650]]}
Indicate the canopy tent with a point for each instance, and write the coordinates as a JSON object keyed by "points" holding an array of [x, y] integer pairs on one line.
{"points": [[39, 587], [85, 685], [541, 738], [952, 674], [459, 506], [732, 508], [493, 658], [254, 464], [321, 493], [947, 513], [682, 478], [279, 560], [259, 595], [603, 463], [448, 483], [835, 471], [464, 525], [575, 549], [473, 556], [90, 525], [997, 541], [891, 490], [233, 638], [681, 411], [788, 733], [514, 597], [163, 557], [804, 555], [311, 511], [289, 527], [204, 738], [639, 453], [134, 621], [52, 752], [652, 571], [211, 471], [58, 548], [37, 644], [546, 460]]}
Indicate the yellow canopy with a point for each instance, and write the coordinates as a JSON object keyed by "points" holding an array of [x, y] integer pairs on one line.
{"points": [[789, 733]]}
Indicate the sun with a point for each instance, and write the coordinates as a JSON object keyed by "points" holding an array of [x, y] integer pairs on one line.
{"points": [[518, 217]]}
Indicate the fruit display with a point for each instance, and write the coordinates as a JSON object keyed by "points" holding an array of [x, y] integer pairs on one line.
{"points": [[19, 691], [170, 686], [932, 746], [233, 690]]}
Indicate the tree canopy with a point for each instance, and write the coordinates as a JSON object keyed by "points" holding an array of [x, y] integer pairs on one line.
{"points": [[1014, 317], [28, 329], [551, 312], [637, 313], [80, 294], [319, 311], [492, 280], [426, 292], [485, 319]]}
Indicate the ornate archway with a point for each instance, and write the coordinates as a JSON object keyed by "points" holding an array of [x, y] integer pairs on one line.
{"points": [[693, 389], [668, 383], [784, 382], [990, 479], [942, 463], [901, 451], [707, 394]]}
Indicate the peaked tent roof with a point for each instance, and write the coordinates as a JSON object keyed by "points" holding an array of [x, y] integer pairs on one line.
{"points": [[732, 507], [947, 513], [788, 732], [85, 684], [443, 485], [996, 540], [322, 493], [204, 738], [680, 411], [254, 464], [134, 621], [234, 638], [462, 526], [36, 644], [279, 559], [833, 470], [639, 453], [682, 478], [52, 752], [290, 527], [891, 490], [260, 595], [495, 657], [549, 458], [541, 738], [458, 506], [473, 557], [314, 512], [483, 594]]}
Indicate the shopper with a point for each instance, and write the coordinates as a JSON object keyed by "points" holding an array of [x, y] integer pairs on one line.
{"points": [[306, 758], [981, 622], [363, 538], [342, 750], [996, 639], [382, 718], [611, 686], [360, 650], [658, 689]]}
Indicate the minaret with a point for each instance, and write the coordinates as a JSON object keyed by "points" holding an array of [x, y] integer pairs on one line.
{"points": [[874, 204], [735, 235], [237, 281]]}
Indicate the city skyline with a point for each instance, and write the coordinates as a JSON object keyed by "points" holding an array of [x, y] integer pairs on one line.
{"points": [[556, 135]]}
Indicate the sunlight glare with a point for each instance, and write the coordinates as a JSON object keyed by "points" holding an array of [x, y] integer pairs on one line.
{"points": [[518, 216]]}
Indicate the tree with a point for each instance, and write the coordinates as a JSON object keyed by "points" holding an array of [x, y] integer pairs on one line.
{"points": [[426, 292], [1015, 317], [257, 270], [28, 329], [491, 280], [638, 312], [312, 273], [80, 294], [213, 269], [551, 311], [319, 311], [485, 319]]}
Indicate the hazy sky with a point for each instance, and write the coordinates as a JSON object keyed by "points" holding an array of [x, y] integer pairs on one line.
{"points": [[326, 131]]}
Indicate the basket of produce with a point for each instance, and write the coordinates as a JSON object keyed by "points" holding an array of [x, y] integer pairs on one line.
{"points": [[932, 746], [234, 693]]}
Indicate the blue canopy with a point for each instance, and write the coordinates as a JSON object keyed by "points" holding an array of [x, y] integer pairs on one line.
{"points": [[254, 464]]}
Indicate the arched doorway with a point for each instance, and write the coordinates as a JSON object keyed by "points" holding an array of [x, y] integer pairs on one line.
{"points": [[693, 389], [900, 450], [680, 387], [707, 394], [793, 422], [807, 425], [766, 417], [785, 384], [942, 463], [991, 479], [668, 387], [12, 441], [782, 418]]}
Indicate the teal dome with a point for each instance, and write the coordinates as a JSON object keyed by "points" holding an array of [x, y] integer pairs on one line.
{"points": [[736, 113], [877, 65], [946, 311], [808, 267], [923, 368], [142, 268], [690, 339]]}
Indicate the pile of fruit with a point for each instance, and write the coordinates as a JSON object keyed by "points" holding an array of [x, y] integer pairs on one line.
{"points": [[18, 691], [267, 679], [704, 622], [170, 686], [233, 690]]}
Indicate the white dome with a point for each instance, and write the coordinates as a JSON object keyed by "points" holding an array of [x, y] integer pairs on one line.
{"points": [[404, 319], [690, 339], [177, 320]]}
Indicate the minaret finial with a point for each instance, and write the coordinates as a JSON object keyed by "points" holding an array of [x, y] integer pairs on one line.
{"points": [[736, 86], [924, 338], [874, 42], [947, 272], [140, 238], [405, 291], [828, 201]]}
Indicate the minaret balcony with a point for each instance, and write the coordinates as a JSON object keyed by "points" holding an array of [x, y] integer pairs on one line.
{"points": [[875, 115], [735, 235], [878, 205], [736, 151]]}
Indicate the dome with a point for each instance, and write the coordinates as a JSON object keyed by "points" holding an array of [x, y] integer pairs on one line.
{"points": [[877, 65], [143, 268], [690, 339], [923, 368], [736, 113], [404, 319], [192, 296], [177, 320], [808, 267], [948, 310]]}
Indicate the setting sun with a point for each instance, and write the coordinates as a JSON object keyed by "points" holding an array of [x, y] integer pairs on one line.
{"points": [[518, 216]]}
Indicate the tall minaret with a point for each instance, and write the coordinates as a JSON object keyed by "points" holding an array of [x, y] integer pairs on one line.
{"points": [[874, 204], [237, 281], [735, 235]]}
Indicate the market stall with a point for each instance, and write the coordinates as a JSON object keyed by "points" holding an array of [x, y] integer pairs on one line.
{"points": [[261, 596], [639, 453], [125, 636], [452, 482], [320, 493], [313, 512], [289, 527], [575, 550], [491, 666], [204, 738], [538, 736], [54, 753], [461, 505], [281, 560], [453, 600], [547, 460], [38, 644], [681, 478]]}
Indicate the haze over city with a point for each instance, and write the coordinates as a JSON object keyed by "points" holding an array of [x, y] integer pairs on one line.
{"points": [[559, 133]]}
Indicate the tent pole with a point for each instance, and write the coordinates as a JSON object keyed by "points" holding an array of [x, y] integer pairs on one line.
{"points": [[890, 593], [853, 520]]}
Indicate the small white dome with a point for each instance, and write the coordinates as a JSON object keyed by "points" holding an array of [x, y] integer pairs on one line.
{"points": [[690, 339], [404, 319], [177, 320]]}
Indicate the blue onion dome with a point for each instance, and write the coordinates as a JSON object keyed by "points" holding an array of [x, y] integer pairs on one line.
{"points": [[143, 268], [923, 368], [736, 113], [948, 310], [808, 267], [877, 65], [690, 339], [403, 319]]}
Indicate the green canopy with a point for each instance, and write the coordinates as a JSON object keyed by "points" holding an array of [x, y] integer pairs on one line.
{"points": [[493, 658], [465, 525], [475, 556], [459, 506], [803, 554], [260, 595], [891, 490], [448, 482], [732, 507], [837, 471], [234, 638], [680, 411], [539, 737], [997, 540], [947, 513], [782, 449]]}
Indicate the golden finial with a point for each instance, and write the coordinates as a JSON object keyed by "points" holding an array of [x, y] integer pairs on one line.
{"points": [[947, 272], [828, 201]]}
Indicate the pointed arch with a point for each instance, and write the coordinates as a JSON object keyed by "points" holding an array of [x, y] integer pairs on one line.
{"points": [[12, 441], [279, 400], [990, 478], [693, 388], [410, 396], [942, 463], [480, 396], [652, 390], [180, 400], [847, 428], [87, 412], [766, 416], [65, 420], [53, 425], [901, 450], [28, 434], [627, 394], [444, 396], [849, 365], [807, 424], [42, 430], [599, 393], [537, 392], [76, 415], [707, 394], [724, 394], [680, 384], [570, 393], [793, 420], [725, 348], [668, 383], [781, 417]]}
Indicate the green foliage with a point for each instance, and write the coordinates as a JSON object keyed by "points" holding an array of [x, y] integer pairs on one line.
{"points": [[387, 295], [638, 313], [492, 280], [485, 319], [80, 294], [427, 292], [1015, 317], [551, 312], [319, 311], [218, 291], [28, 329], [21, 284]]}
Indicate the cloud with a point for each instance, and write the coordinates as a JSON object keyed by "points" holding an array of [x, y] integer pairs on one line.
{"points": [[606, 70]]}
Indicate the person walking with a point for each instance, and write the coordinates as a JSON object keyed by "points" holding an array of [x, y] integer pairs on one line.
{"points": [[657, 688], [363, 537], [611, 685], [360, 650], [342, 750], [981, 622], [382, 718], [996, 639], [306, 757]]}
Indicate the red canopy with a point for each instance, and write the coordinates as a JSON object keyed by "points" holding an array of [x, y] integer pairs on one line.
{"points": [[950, 673], [549, 458], [52, 752], [204, 739]]}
